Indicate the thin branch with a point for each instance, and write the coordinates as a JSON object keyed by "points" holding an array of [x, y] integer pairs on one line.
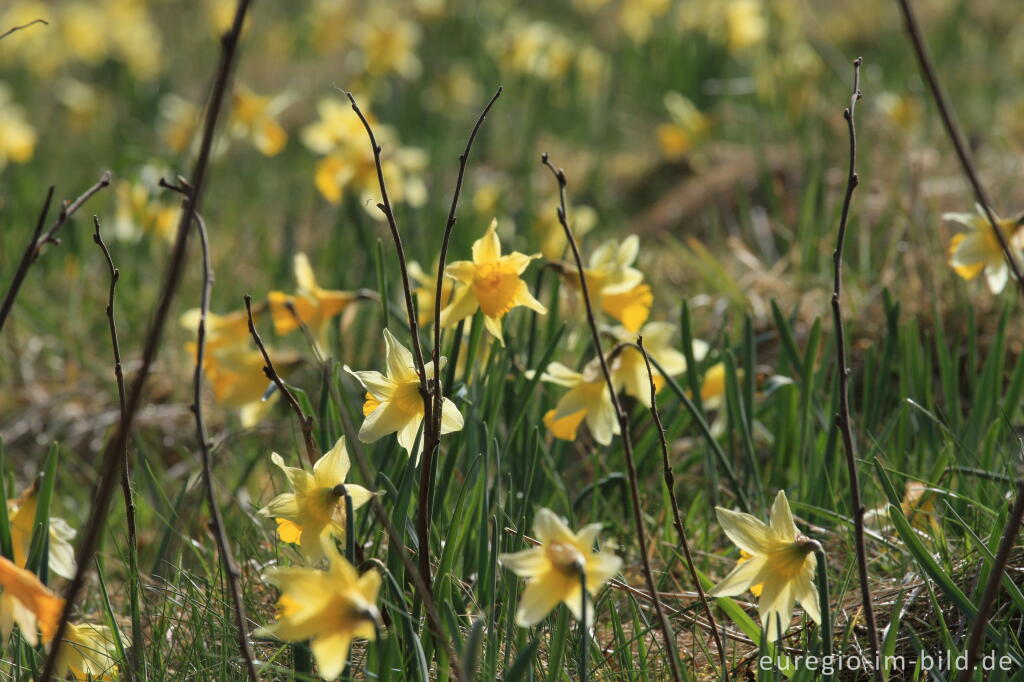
{"points": [[15, 29], [843, 371], [217, 521], [27, 258], [138, 645], [955, 136], [305, 421], [677, 519], [995, 578], [67, 210], [111, 464], [623, 420]]}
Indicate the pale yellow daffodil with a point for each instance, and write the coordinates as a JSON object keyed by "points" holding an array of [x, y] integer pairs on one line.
{"points": [[222, 331], [27, 603], [553, 568], [314, 511], [712, 387], [313, 304], [491, 283], [614, 285], [90, 653], [254, 117], [394, 403], [588, 399], [978, 250], [629, 369], [778, 559], [687, 127], [329, 608], [17, 136], [22, 515]]}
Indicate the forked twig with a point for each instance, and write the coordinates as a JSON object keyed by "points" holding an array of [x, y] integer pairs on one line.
{"points": [[843, 371], [111, 464], [955, 136], [623, 422], [677, 519], [138, 646], [15, 29]]}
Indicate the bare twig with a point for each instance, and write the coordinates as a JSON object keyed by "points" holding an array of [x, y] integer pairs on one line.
{"points": [[843, 372], [217, 521], [138, 646], [67, 210], [623, 421], [15, 29], [677, 519], [953, 132], [111, 464], [995, 578]]}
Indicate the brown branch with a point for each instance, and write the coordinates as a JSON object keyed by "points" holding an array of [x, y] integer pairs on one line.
{"points": [[953, 132], [677, 519], [217, 521], [138, 645], [305, 421], [15, 29], [843, 371], [623, 420], [995, 578], [67, 210], [111, 464]]}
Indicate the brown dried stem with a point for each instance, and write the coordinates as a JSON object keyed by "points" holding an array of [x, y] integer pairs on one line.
{"points": [[623, 421], [677, 519], [843, 371], [111, 464], [15, 29]]}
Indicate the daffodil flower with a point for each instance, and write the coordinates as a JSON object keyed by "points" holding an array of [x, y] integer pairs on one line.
{"points": [[229, 329], [629, 369], [329, 608], [491, 283], [688, 126], [615, 286], [712, 386], [89, 653], [314, 305], [978, 250], [315, 510], [778, 559], [254, 117], [588, 399], [17, 136], [552, 569], [22, 515], [27, 603], [236, 375], [394, 403]]}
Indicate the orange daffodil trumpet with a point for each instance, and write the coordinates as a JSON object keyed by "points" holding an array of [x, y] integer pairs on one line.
{"points": [[315, 510], [978, 249], [394, 403], [778, 565], [329, 608], [588, 399], [314, 305], [491, 283], [552, 569]]}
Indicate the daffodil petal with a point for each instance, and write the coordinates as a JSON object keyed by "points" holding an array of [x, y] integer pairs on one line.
{"points": [[739, 579], [542, 594], [331, 653], [748, 532], [782, 518]]}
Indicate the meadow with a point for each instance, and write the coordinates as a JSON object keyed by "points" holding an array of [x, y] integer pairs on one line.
{"points": [[440, 340]]}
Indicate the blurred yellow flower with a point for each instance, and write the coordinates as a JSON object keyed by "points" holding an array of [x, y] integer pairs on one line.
{"points": [[978, 250], [229, 329], [638, 17], [552, 235], [17, 136], [491, 283], [615, 286], [27, 603], [179, 119], [394, 403], [745, 24], [781, 562], [388, 43], [688, 126], [629, 369], [552, 570], [89, 653], [81, 100], [238, 381], [712, 387], [254, 117], [137, 211], [315, 511], [22, 514], [534, 48], [426, 291], [84, 32], [314, 305], [330, 608], [588, 399]]}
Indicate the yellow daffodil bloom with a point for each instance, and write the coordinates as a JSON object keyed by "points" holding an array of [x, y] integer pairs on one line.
{"points": [[712, 387], [236, 375], [27, 603], [588, 399], [330, 608], [629, 369], [179, 120], [17, 136], [388, 43], [687, 127], [491, 283], [638, 17], [89, 653], [426, 291], [552, 235], [315, 510], [222, 331], [978, 250], [614, 285], [314, 305], [552, 570], [138, 211], [393, 400], [254, 117], [22, 515], [745, 24], [781, 562]]}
